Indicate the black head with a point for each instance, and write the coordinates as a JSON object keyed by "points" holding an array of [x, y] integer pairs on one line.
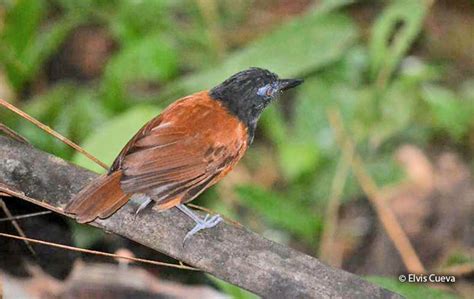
{"points": [[247, 93]]}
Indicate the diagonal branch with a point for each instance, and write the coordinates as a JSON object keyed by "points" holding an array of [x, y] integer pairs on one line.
{"points": [[231, 253]]}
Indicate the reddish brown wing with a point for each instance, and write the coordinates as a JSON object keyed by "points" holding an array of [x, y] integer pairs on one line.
{"points": [[188, 148]]}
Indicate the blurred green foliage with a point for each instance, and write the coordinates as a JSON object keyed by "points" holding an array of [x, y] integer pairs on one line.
{"points": [[313, 46], [24, 48], [231, 290], [385, 96]]}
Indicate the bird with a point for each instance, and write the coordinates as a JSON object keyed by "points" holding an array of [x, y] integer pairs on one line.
{"points": [[183, 151]]}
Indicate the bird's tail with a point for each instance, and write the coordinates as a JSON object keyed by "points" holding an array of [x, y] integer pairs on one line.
{"points": [[101, 198]]}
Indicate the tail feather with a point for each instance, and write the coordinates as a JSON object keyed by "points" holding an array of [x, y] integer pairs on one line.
{"points": [[101, 198]]}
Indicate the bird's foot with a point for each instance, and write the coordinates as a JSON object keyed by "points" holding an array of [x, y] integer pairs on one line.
{"points": [[200, 223], [203, 224]]}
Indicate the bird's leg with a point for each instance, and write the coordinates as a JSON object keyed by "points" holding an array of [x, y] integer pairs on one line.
{"points": [[200, 223], [143, 205], [142, 200]]}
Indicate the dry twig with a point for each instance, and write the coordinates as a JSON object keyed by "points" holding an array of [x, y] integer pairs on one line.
{"points": [[16, 226], [29, 215], [9, 132], [95, 252], [52, 132], [328, 252], [384, 213]]}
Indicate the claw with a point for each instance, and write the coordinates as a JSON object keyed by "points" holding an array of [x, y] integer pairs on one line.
{"points": [[200, 223], [143, 200], [203, 225]]}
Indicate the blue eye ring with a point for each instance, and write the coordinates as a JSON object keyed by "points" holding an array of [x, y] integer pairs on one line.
{"points": [[267, 90], [263, 91]]}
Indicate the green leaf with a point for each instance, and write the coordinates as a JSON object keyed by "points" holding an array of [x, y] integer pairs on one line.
{"points": [[310, 121], [68, 109], [393, 33], [85, 236], [46, 42], [297, 158], [296, 48], [313, 100], [80, 115], [80, 6], [350, 69], [398, 104], [458, 257], [448, 111], [151, 58], [25, 45], [107, 141], [287, 213], [21, 23], [273, 124], [409, 290], [338, 85], [233, 291], [47, 106], [135, 19]]}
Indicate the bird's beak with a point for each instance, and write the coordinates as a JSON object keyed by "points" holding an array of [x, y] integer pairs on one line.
{"points": [[285, 84]]}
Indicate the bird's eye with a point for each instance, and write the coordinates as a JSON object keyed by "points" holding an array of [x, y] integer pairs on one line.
{"points": [[265, 91], [269, 92]]}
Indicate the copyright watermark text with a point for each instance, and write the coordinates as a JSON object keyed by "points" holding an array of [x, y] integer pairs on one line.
{"points": [[434, 278]]}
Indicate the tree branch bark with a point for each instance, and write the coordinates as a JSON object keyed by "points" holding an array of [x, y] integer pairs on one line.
{"points": [[231, 253]]}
